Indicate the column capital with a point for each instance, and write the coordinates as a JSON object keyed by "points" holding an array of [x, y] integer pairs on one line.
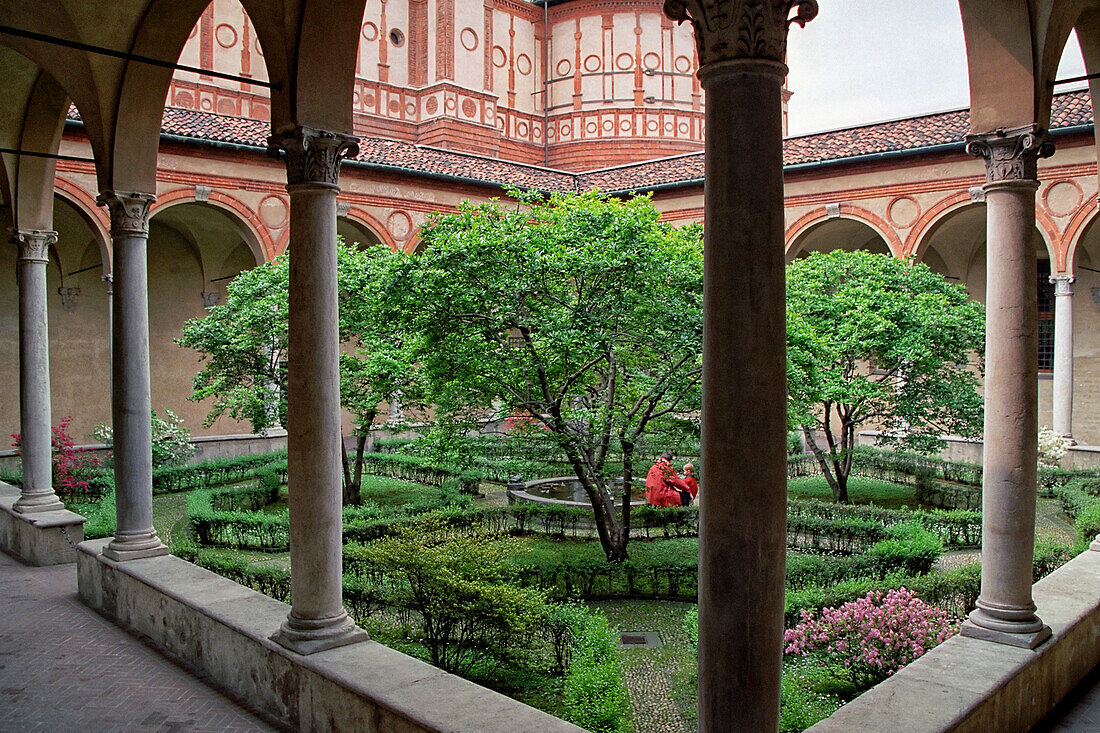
{"points": [[727, 30], [1063, 284], [313, 156], [129, 211], [34, 244], [1011, 155]]}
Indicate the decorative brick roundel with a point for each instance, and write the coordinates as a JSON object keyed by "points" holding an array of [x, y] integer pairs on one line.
{"points": [[500, 57], [523, 64], [624, 61], [395, 106], [683, 64], [592, 63], [469, 107], [206, 104], [522, 129], [684, 128], [652, 125], [624, 125], [469, 39], [651, 60], [400, 225], [368, 100], [185, 100], [609, 125], [370, 31], [592, 127], [564, 67], [226, 35], [903, 211], [273, 211], [431, 106], [410, 109], [1062, 197]]}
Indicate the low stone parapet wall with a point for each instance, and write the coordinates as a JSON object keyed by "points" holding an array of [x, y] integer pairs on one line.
{"points": [[222, 628], [967, 685], [38, 538]]}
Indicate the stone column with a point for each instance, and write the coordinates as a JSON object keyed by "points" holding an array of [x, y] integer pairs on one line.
{"points": [[742, 536], [34, 372], [1006, 612], [130, 399], [317, 619], [1063, 354]]}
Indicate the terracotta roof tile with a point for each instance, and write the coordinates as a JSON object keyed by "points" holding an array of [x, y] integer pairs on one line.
{"points": [[913, 134], [1071, 109]]}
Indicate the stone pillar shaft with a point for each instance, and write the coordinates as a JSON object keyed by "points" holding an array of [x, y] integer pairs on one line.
{"points": [[1063, 355], [130, 384], [34, 372], [742, 534], [1006, 612], [317, 619]]}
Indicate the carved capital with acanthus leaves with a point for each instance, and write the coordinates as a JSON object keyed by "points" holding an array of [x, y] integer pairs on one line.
{"points": [[129, 211], [313, 156], [1011, 155], [741, 29], [34, 244]]}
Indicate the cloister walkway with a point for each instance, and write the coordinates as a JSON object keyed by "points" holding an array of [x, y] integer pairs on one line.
{"points": [[63, 665]]}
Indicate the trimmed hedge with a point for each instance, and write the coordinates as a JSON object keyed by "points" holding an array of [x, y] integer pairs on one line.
{"points": [[1080, 499], [216, 472]]}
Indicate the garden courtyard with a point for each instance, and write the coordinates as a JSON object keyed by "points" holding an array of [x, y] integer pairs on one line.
{"points": [[231, 516]]}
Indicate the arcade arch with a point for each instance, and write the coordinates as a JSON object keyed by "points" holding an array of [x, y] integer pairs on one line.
{"points": [[355, 231], [839, 233], [195, 249]]}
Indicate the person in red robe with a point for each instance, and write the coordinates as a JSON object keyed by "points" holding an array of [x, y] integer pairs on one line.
{"points": [[692, 484], [663, 484]]}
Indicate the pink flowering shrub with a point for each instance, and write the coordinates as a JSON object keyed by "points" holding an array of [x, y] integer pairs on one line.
{"points": [[873, 637], [72, 466]]}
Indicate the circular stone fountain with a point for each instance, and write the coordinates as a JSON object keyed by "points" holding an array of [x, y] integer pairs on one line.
{"points": [[563, 491]]}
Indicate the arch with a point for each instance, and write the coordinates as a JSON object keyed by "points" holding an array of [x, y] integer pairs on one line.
{"points": [[364, 220], [1012, 56], [282, 243], [255, 234], [916, 244], [1085, 215], [815, 218], [161, 32], [96, 218]]}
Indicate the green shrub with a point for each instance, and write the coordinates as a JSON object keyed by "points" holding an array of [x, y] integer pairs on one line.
{"points": [[691, 626], [468, 611], [595, 690], [912, 549]]}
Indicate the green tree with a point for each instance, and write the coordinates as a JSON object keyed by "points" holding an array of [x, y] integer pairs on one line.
{"points": [[243, 343], [581, 312], [872, 340]]}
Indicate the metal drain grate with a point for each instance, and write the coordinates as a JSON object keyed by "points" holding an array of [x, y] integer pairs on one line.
{"points": [[639, 639]]}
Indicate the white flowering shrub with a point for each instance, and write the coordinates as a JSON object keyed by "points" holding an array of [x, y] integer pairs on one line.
{"points": [[1052, 447]]}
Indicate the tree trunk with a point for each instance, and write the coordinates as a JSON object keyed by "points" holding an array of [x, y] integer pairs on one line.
{"points": [[840, 491]]}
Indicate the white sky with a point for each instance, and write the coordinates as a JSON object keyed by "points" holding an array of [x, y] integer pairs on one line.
{"points": [[865, 61]]}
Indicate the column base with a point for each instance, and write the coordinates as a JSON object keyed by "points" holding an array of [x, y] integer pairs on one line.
{"points": [[1027, 635], [44, 501], [134, 546], [309, 636]]}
